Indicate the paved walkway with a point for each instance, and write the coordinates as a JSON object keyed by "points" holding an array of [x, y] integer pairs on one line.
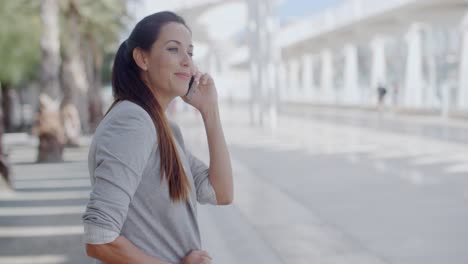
{"points": [[369, 189], [431, 126], [40, 221]]}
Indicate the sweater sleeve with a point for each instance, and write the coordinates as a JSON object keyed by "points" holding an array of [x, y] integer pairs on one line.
{"points": [[205, 191], [200, 171], [122, 149]]}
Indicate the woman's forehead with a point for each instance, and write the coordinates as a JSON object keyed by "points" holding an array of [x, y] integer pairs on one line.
{"points": [[177, 32]]}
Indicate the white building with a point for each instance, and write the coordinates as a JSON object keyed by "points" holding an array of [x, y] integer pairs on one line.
{"points": [[417, 49]]}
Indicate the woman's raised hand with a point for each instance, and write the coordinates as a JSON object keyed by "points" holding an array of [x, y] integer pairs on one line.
{"points": [[204, 97]]}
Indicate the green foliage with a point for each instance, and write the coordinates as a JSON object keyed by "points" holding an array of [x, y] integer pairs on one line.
{"points": [[20, 32], [104, 22], [101, 25], [104, 19], [20, 29]]}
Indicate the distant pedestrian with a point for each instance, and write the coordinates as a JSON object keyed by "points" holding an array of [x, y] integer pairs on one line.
{"points": [[381, 92], [146, 183]]}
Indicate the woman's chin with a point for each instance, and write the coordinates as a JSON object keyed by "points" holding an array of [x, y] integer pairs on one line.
{"points": [[182, 91]]}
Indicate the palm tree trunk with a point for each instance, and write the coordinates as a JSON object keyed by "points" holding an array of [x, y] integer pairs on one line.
{"points": [[48, 124], [4, 167], [74, 78], [94, 94], [95, 103], [6, 106]]}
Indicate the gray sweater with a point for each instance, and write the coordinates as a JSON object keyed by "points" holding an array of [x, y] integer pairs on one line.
{"points": [[129, 198]]}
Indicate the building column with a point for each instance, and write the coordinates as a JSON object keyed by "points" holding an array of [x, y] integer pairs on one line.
{"points": [[252, 25], [326, 83], [463, 76], [379, 67], [414, 81], [351, 76], [293, 77], [313, 79], [273, 83], [307, 76], [264, 59], [282, 81], [430, 99]]}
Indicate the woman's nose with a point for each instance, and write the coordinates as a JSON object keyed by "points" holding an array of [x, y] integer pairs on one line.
{"points": [[186, 60]]}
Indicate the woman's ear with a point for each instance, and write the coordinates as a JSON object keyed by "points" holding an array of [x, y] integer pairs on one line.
{"points": [[140, 58]]}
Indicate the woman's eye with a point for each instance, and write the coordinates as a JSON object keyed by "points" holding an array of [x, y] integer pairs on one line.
{"points": [[176, 50]]}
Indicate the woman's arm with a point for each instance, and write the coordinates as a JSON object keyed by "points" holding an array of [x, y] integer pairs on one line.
{"points": [[205, 99], [121, 250], [118, 160], [220, 172]]}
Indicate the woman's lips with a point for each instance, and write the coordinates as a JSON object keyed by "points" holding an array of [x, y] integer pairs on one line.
{"points": [[185, 76]]}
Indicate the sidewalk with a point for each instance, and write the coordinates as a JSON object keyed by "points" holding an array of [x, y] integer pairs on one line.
{"points": [[432, 126], [64, 187], [421, 116], [419, 167], [264, 225], [293, 232]]}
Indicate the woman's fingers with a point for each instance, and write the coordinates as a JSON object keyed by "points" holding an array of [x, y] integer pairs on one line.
{"points": [[207, 79], [198, 75], [205, 254], [198, 257], [204, 79]]}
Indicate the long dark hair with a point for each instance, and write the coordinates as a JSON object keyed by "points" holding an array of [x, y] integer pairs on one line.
{"points": [[128, 85]]}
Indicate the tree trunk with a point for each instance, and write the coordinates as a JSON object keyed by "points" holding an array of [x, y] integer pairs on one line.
{"points": [[6, 107], [69, 112], [94, 94], [74, 78], [4, 167], [95, 107], [48, 124]]}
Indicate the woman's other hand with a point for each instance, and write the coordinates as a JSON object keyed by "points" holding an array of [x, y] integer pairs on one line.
{"points": [[197, 257]]}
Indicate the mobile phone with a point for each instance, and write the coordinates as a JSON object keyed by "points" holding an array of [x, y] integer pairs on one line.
{"points": [[191, 88]]}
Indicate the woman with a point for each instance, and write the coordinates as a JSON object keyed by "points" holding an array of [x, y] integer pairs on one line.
{"points": [[142, 208]]}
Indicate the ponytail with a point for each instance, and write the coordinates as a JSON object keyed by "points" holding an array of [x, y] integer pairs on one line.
{"points": [[127, 85]]}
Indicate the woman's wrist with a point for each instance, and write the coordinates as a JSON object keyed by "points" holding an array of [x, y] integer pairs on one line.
{"points": [[210, 111]]}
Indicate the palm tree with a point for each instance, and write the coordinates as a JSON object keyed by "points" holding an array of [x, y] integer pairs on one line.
{"points": [[74, 79], [90, 29], [19, 54], [102, 22], [93, 29], [48, 123]]}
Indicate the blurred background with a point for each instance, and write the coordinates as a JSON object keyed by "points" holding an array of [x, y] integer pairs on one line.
{"points": [[346, 120]]}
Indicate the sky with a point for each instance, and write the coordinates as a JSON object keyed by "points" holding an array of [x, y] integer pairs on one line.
{"points": [[232, 16], [287, 8], [300, 8]]}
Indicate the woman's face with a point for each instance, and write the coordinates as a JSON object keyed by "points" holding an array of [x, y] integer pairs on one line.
{"points": [[169, 62]]}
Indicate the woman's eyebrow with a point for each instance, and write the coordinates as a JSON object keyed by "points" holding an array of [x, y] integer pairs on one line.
{"points": [[178, 42]]}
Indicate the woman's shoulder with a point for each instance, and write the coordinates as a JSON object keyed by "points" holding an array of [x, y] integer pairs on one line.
{"points": [[126, 110], [127, 114], [129, 108]]}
